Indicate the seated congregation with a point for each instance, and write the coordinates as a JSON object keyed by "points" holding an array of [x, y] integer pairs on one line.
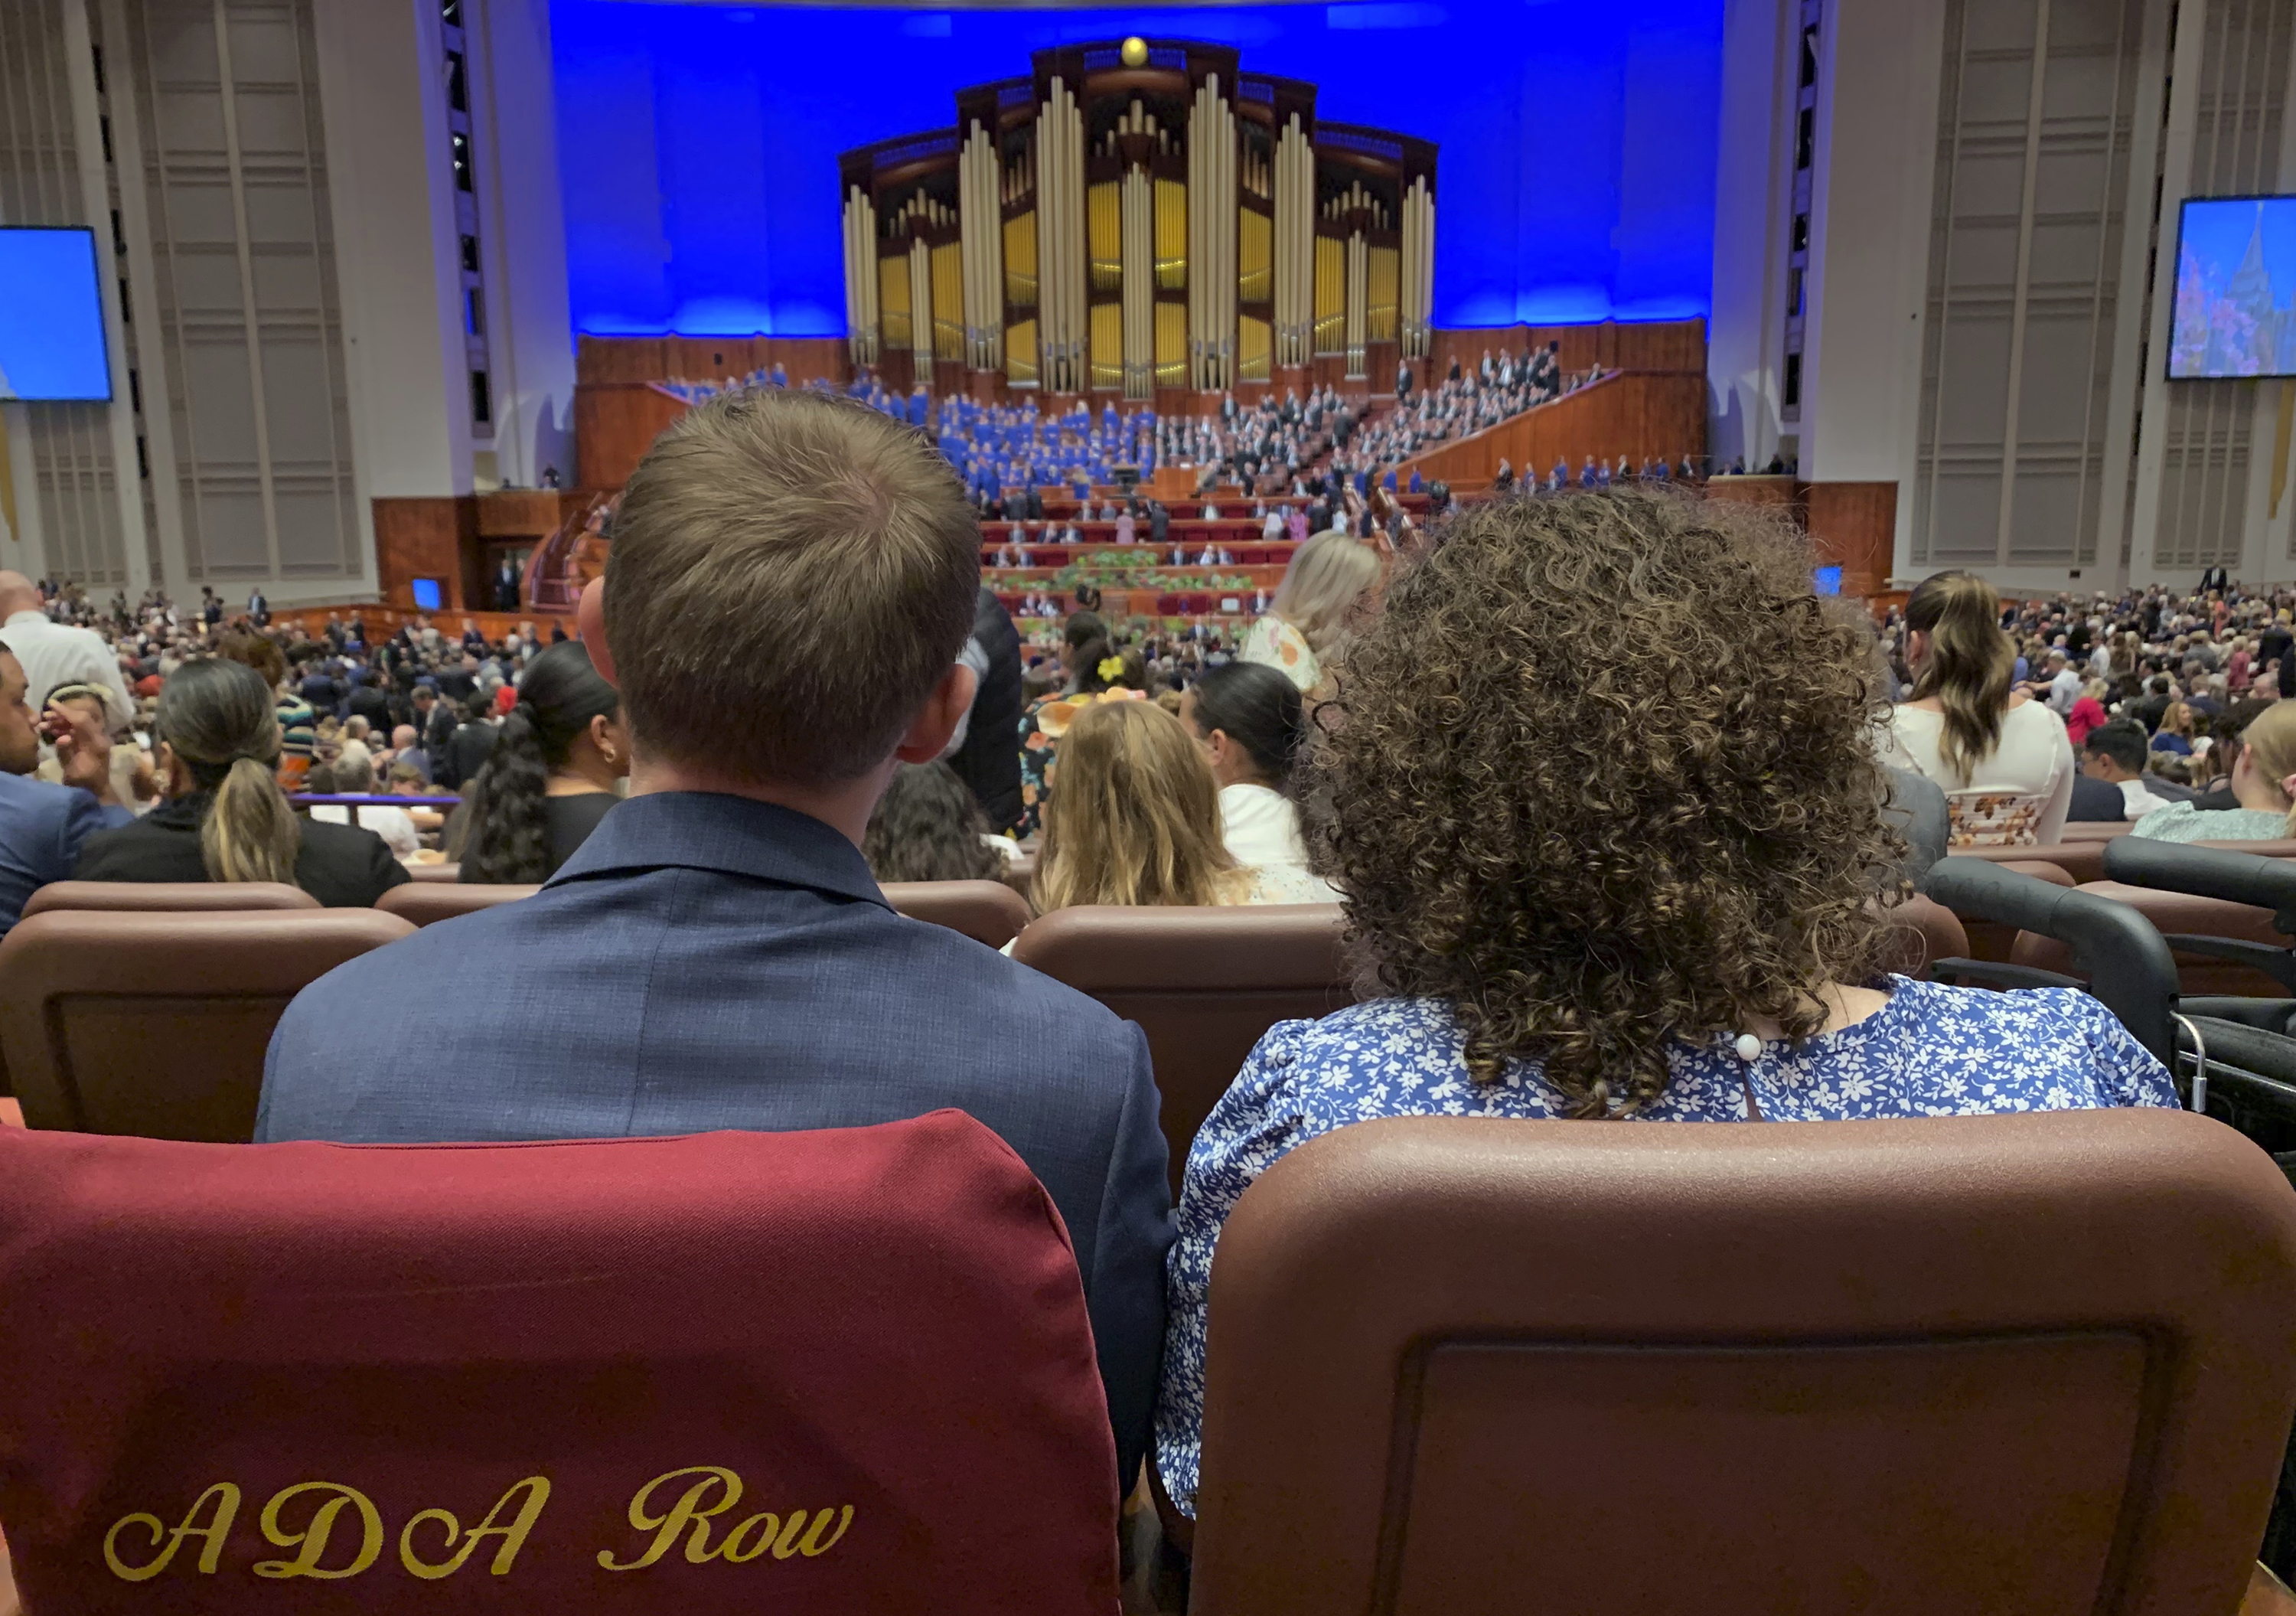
{"points": [[1569, 843]]}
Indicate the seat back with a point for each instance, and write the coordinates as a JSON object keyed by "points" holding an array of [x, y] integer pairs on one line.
{"points": [[2170, 913], [2081, 860], [156, 1023], [1205, 984], [551, 1377], [444, 873], [178, 896], [2227, 872], [2022, 1363], [1922, 931], [426, 903], [986, 911], [2098, 829]]}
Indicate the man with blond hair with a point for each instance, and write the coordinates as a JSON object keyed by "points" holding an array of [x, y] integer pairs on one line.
{"points": [[792, 579]]}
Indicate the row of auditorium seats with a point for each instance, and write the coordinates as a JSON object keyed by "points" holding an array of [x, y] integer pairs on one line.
{"points": [[2035, 1364], [145, 1009]]}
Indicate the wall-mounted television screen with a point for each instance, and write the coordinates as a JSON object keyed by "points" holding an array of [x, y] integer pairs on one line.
{"points": [[2235, 285], [51, 319]]}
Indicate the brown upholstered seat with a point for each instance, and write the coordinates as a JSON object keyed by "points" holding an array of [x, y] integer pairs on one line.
{"points": [[2081, 860], [2178, 912], [986, 911], [156, 1023], [428, 902], [449, 873], [1923, 931], [2032, 1363], [180, 895], [1021, 873], [2096, 830], [1204, 984]]}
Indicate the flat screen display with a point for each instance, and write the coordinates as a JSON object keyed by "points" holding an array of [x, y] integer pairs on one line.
{"points": [[2236, 282], [51, 319]]}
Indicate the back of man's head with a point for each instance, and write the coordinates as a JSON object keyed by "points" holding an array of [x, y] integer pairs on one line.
{"points": [[2121, 741], [17, 593], [790, 575]]}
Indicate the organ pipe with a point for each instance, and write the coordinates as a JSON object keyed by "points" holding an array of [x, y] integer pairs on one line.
{"points": [[1139, 260], [1358, 278], [861, 313], [921, 308]]}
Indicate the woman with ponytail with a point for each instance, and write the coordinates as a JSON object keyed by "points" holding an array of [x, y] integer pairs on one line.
{"points": [[225, 817], [551, 775], [2003, 759]]}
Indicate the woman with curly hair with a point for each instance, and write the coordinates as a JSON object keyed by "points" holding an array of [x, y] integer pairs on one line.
{"points": [[929, 826], [1607, 823]]}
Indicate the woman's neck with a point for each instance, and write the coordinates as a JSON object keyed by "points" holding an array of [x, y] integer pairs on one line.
{"points": [[2258, 793]]}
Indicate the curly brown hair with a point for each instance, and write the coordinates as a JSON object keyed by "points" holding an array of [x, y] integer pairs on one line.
{"points": [[1600, 776]]}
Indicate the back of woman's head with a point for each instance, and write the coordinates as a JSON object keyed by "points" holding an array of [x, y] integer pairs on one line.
{"points": [[1968, 666], [929, 826], [1328, 575], [1134, 815], [1257, 709], [1601, 777], [1100, 666], [509, 835], [216, 716], [256, 650], [2270, 738]]}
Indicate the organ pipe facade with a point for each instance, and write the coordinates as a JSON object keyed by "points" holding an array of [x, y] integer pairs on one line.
{"points": [[1174, 224]]}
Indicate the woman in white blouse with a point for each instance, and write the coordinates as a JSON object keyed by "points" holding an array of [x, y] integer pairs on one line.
{"points": [[1251, 724], [2003, 759]]}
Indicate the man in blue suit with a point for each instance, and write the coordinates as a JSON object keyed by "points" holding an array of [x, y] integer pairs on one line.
{"points": [[42, 826], [792, 580]]}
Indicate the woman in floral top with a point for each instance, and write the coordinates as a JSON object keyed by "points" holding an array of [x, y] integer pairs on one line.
{"points": [[1093, 667], [1605, 814], [1300, 631]]}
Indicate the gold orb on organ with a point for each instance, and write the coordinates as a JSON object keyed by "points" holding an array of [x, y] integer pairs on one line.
{"points": [[1135, 52]]}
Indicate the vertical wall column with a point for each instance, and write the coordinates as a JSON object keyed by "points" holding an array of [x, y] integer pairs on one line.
{"points": [[1060, 237], [981, 226], [861, 276], [1139, 258], [1211, 239], [1295, 245]]}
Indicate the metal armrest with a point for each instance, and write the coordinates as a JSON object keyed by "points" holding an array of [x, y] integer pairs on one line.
{"points": [[2278, 964]]}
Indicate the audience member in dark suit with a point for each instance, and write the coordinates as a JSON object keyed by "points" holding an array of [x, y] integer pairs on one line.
{"points": [[2096, 802], [716, 955], [225, 817], [990, 759], [43, 827]]}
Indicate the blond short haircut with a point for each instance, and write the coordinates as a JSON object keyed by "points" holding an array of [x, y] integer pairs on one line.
{"points": [[790, 576]]}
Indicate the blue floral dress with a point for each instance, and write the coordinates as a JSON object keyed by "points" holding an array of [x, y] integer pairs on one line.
{"points": [[1931, 1051]]}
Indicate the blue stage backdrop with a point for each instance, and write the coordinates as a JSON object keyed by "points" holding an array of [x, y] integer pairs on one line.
{"points": [[699, 143]]}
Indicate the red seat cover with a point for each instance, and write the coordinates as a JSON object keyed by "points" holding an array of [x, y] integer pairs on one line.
{"points": [[309, 1376]]}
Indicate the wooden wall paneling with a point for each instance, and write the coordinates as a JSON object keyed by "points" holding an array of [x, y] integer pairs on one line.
{"points": [[517, 513], [1854, 525], [1780, 493], [1638, 414], [421, 538], [614, 425], [620, 359], [805, 359]]}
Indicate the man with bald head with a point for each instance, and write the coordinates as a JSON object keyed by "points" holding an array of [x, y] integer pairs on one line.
{"points": [[41, 827], [54, 654]]}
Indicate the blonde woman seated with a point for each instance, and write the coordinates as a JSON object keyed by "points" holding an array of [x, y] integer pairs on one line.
{"points": [[2263, 781], [1136, 821], [1301, 631]]}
